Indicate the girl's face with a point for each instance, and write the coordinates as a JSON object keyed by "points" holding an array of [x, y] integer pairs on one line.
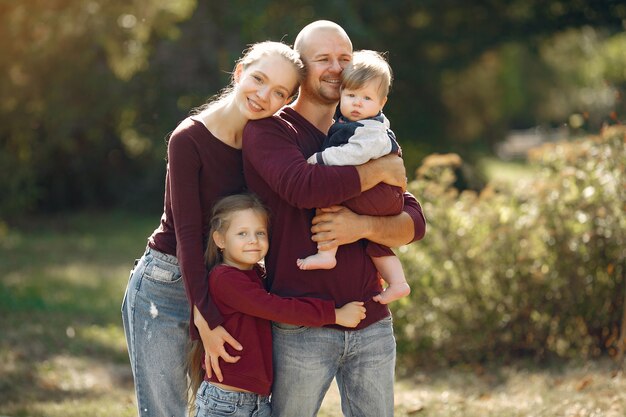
{"points": [[245, 242], [264, 86], [363, 102]]}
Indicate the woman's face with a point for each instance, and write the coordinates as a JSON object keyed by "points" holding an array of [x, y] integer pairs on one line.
{"points": [[264, 86]]}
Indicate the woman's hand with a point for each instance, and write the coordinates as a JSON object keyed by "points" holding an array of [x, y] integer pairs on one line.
{"points": [[213, 342]]}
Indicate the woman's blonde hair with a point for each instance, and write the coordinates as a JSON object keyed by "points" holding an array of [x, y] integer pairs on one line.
{"points": [[221, 216], [252, 55], [368, 65]]}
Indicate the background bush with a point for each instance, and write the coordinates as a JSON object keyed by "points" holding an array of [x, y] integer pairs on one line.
{"points": [[537, 269]]}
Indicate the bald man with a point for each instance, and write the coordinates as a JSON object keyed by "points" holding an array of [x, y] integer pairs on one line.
{"points": [[275, 151]]}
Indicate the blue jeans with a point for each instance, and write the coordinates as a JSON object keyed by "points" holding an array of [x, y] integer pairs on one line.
{"points": [[155, 312], [213, 401], [306, 359]]}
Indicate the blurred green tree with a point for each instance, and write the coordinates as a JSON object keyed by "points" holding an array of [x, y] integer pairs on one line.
{"points": [[92, 88], [63, 99]]}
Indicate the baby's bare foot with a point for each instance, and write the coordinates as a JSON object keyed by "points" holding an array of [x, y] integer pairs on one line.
{"points": [[392, 293], [320, 260]]}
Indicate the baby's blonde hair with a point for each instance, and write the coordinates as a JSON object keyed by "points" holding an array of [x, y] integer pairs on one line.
{"points": [[368, 65]]}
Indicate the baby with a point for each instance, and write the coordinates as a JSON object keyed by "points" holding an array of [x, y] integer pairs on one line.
{"points": [[361, 133]]}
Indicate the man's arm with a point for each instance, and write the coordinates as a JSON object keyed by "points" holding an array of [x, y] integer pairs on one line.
{"points": [[338, 225], [388, 169], [279, 162]]}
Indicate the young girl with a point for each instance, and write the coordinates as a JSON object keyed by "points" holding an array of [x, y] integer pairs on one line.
{"points": [[159, 310], [238, 240]]}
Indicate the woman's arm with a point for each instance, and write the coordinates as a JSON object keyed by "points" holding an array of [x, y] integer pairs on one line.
{"points": [[184, 165]]}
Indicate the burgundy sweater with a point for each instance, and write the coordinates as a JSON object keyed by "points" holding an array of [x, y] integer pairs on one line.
{"points": [[275, 150], [247, 309], [200, 170]]}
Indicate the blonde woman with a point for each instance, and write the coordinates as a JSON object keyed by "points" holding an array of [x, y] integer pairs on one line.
{"points": [[167, 298]]}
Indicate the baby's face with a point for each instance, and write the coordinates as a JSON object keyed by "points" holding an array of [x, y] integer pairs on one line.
{"points": [[361, 103]]}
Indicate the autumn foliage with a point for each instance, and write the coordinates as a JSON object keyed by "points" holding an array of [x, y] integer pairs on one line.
{"points": [[536, 270]]}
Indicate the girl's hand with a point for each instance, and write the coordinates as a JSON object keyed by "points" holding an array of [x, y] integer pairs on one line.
{"points": [[350, 315], [213, 342]]}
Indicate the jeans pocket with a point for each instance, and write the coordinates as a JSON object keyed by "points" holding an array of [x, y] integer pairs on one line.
{"points": [[288, 328], [130, 276], [160, 271], [221, 408]]}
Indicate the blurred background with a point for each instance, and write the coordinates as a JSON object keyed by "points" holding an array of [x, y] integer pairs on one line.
{"points": [[91, 89], [510, 117]]}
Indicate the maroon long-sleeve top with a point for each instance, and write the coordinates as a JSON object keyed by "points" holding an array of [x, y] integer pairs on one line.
{"points": [[200, 170], [247, 309], [274, 153]]}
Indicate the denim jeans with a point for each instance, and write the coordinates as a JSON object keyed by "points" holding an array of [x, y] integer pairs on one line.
{"points": [[306, 359], [213, 401], [155, 312]]}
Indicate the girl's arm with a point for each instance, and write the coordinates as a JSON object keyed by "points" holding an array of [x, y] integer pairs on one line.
{"points": [[239, 293]]}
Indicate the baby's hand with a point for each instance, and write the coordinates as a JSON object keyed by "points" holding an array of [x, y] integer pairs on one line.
{"points": [[349, 315]]}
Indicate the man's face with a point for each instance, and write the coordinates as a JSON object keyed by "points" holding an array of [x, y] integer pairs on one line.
{"points": [[326, 54]]}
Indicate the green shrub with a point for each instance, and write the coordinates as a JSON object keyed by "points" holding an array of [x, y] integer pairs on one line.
{"points": [[535, 270]]}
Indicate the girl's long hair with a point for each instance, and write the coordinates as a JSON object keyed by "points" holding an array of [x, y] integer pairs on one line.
{"points": [[220, 222]]}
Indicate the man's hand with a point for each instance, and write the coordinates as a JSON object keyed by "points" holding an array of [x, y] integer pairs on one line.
{"points": [[395, 172], [388, 169], [213, 342], [337, 225]]}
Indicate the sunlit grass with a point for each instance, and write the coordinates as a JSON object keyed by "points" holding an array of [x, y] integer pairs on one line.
{"points": [[62, 350], [593, 389], [507, 172], [63, 353]]}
